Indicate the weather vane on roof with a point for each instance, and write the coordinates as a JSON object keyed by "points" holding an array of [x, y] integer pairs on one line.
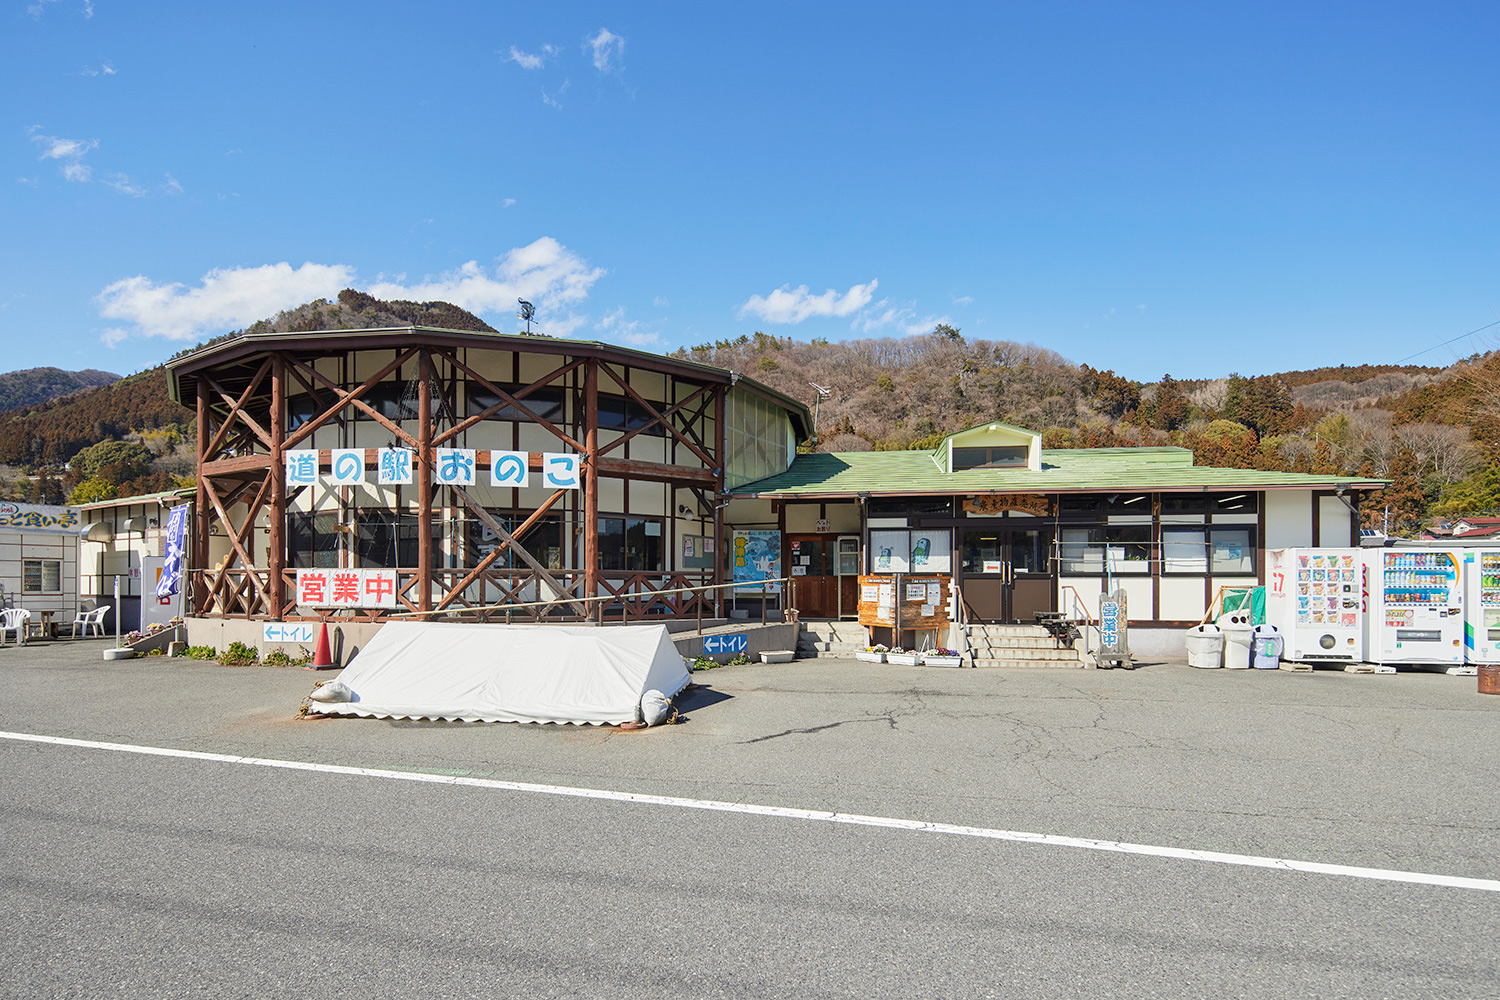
{"points": [[527, 312]]}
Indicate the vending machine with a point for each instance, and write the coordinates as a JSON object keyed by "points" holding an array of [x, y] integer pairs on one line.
{"points": [[1315, 599], [1482, 606], [1416, 613]]}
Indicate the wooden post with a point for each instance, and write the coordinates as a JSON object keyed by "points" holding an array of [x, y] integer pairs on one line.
{"points": [[591, 484], [198, 593], [424, 484], [276, 519], [719, 437]]}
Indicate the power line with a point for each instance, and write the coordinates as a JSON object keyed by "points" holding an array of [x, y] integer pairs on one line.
{"points": [[1447, 342]]}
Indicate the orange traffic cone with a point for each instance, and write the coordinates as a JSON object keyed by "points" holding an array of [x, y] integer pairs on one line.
{"points": [[322, 657]]}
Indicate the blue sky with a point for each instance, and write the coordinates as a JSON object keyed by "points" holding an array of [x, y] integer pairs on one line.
{"points": [[1155, 188]]}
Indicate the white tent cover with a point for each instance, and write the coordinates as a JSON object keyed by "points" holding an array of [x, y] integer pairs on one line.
{"points": [[509, 673]]}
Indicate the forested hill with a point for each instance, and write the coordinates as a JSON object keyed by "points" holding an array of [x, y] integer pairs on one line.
{"points": [[150, 440], [37, 385], [1435, 432]]}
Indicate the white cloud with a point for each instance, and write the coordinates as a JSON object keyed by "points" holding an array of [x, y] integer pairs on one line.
{"points": [[225, 299], [661, 302], [56, 148], [507, 203], [885, 315], [79, 172], [617, 329], [172, 185], [963, 300], [527, 60], [544, 272], [608, 51], [554, 100], [104, 69], [88, 8], [789, 305], [124, 185]]}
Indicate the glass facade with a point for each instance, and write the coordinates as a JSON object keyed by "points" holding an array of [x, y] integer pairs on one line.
{"points": [[757, 438]]}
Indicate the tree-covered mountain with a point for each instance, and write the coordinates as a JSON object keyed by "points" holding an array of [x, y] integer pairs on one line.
{"points": [[1435, 432], [37, 385], [48, 447]]}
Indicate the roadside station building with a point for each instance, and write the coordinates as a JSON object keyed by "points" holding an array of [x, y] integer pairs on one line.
{"points": [[1022, 529], [366, 473]]}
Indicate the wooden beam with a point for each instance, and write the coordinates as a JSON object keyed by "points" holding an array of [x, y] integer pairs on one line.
{"points": [[477, 509], [350, 398], [506, 399], [235, 406], [591, 485], [238, 465], [276, 521], [499, 550], [657, 418], [424, 481], [656, 472]]}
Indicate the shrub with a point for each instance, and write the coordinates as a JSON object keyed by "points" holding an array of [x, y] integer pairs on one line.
{"points": [[201, 653], [237, 655], [281, 658], [704, 663]]}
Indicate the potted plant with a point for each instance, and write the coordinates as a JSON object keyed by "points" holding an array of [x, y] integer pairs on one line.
{"points": [[942, 658], [871, 654], [901, 657]]}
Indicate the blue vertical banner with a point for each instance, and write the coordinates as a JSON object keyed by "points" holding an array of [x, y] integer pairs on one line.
{"points": [[176, 555]]}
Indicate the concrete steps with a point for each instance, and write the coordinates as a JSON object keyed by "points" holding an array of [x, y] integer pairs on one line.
{"points": [[833, 639], [1018, 647]]}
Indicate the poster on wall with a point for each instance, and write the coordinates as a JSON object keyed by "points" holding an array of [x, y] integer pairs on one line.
{"points": [[889, 551], [757, 558]]}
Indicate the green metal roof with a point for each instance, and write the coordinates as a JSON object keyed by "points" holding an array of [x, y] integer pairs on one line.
{"points": [[1064, 470]]}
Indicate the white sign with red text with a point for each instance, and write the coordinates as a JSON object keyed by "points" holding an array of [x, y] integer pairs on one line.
{"points": [[346, 588]]}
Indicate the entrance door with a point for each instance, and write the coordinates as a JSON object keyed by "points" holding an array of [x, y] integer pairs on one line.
{"points": [[1007, 575], [810, 564]]}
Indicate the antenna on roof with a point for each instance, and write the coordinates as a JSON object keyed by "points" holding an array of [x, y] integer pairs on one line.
{"points": [[823, 393], [527, 311]]}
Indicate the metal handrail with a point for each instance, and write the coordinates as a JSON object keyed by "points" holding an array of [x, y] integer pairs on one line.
{"points": [[586, 600], [1071, 593]]}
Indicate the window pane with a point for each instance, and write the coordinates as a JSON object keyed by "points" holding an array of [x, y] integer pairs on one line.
{"points": [[1232, 552], [612, 543], [1129, 548], [1184, 551], [51, 576], [31, 576]]}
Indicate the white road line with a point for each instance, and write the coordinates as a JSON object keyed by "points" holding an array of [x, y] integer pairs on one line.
{"points": [[853, 819]]}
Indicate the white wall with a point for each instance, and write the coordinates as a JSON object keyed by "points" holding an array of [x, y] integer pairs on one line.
{"points": [[1288, 519]]}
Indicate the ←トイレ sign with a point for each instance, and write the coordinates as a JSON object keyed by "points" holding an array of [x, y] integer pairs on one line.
{"points": [[736, 643]]}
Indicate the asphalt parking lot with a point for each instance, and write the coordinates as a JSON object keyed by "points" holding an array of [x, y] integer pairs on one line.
{"points": [[157, 867], [1386, 771]]}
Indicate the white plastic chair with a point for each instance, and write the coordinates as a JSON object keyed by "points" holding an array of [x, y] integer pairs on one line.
{"points": [[90, 620], [15, 620]]}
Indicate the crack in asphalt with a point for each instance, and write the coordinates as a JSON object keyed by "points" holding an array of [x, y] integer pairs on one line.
{"points": [[890, 720]]}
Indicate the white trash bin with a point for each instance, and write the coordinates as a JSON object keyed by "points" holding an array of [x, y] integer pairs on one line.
{"points": [[1236, 627], [1205, 646], [1266, 645]]}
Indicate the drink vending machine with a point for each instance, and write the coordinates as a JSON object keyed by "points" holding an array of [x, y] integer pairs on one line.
{"points": [[1416, 610], [1314, 598], [1482, 606]]}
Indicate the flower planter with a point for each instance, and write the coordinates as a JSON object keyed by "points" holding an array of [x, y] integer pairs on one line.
{"points": [[869, 657], [903, 659], [777, 655], [939, 660]]}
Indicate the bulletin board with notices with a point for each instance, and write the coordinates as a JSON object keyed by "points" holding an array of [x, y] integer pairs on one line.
{"points": [[904, 601]]}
